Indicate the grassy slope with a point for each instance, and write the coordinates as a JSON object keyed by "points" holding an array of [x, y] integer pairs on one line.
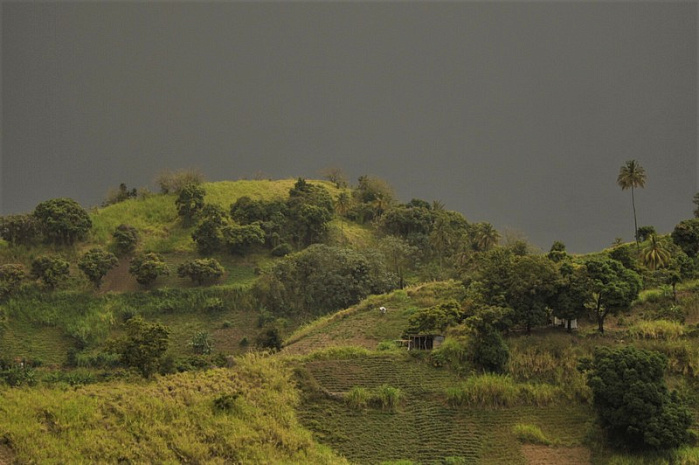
{"points": [[170, 420]]}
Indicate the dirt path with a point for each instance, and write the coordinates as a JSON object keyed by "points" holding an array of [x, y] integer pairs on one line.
{"points": [[544, 455]]}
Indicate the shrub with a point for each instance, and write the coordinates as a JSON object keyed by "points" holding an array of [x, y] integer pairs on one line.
{"points": [[357, 398], [282, 250], [125, 239], [174, 182], [190, 201], [147, 267], [50, 270], [386, 397], [96, 263], [11, 276], [225, 402], [19, 229], [489, 351], [202, 343], [201, 270], [530, 434]]}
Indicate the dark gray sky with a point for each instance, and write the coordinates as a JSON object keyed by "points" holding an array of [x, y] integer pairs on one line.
{"points": [[515, 113]]}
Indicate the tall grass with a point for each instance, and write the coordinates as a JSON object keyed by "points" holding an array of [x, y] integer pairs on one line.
{"points": [[659, 329], [173, 419], [491, 390], [530, 434], [384, 397]]}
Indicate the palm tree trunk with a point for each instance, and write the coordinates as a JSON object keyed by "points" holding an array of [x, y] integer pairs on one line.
{"points": [[635, 224]]}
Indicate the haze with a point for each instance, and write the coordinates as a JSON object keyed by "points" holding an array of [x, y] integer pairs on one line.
{"points": [[515, 113]]}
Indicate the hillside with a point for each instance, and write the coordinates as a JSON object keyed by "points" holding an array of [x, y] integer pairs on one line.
{"points": [[283, 356]]}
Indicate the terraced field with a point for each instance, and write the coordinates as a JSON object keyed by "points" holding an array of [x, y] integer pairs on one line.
{"points": [[424, 429]]}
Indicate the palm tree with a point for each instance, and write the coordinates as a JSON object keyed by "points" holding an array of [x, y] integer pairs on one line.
{"points": [[632, 175], [486, 236], [655, 255]]}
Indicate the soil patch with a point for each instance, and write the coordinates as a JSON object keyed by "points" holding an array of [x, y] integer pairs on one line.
{"points": [[544, 455]]}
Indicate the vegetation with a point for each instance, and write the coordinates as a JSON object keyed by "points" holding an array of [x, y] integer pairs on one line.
{"points": [[298, 270], [631, 176], [62, 221]]}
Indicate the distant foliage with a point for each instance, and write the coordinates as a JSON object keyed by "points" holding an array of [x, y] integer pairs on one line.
{"points": [[644, 232], [173, 182], [322, 279], [62, 221], [50, 270], [190, 201], [119, 195], [126, 238], [686, 236], [201, 270], [96, 263], [19, 229], [435, 319], [558, 253], [633, 404], [147, 267], [11, 276]]}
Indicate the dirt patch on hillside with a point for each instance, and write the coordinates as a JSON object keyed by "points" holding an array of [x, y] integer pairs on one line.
{"points": [[119, 279], [544, 455], [6, 455]]}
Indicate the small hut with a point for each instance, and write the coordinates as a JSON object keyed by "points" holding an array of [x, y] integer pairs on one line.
{"points": [[424, 341]]}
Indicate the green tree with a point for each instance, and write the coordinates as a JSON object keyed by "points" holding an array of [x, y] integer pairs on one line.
{"points": [[686, 236], [201, 270], [190, 201], [399, 254], [240, 239], [572, 293], [613, 287], [11, 276], [486, 236], [558, 253], [655, 255], [62, 221], [96, 263], [632, 402], [126, 238], [631, 176], [50, 270], [19, 229], [644, 232], [531, 289], [147, 267], [208, 236], [144, 345], [435, 319]]}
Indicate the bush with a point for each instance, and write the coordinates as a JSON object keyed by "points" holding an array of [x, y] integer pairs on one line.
{"points": [[489, 351], [282, 250], [633, 404], [11, 276], [530, 434], [125, 239], [190, 201], [174, 182], [202, 343], [147, 267], [96, 263], [50, 270], [201, 270]]}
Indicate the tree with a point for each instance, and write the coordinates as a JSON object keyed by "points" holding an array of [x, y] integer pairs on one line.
{"points": [[531, 289], [201, 270], [96, 263], [644, 232], [62, 221], [435, 319], [51, 270], [486, 236], [190, 201], [632, 175], [208, 236], [19, 229], [399, 254], [174, 182], [147, 267], [240, 239], [11, 276], [572, 293], [144, 345], [126, 238], [632, 402], [686, 236], [613, 287], [336, 176], [655, 255], [557, 252]]}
